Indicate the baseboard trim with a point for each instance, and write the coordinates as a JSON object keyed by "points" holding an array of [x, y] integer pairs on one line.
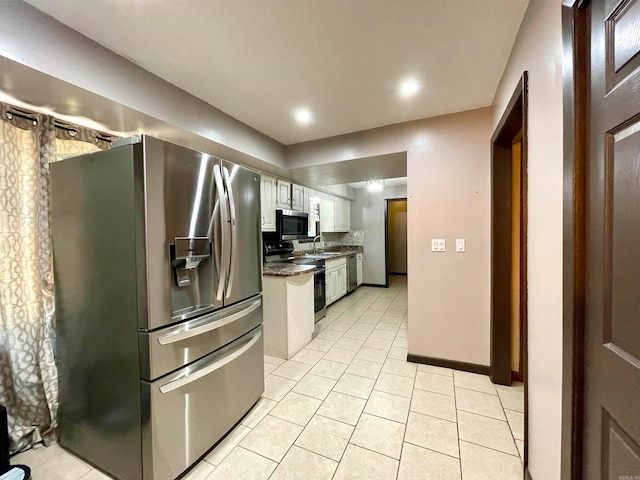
{"points": [[401, 274], [527, 474], [377, 285], [454, 364]]}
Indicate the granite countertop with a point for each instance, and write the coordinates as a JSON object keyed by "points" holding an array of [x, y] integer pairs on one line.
{"points": [[286, 269], [342, 251]]}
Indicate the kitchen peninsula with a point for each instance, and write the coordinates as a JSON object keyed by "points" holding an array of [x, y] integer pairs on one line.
{"points": [[288, 308]]}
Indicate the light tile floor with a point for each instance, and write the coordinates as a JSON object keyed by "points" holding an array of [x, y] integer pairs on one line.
{"points": [[349, 406]]}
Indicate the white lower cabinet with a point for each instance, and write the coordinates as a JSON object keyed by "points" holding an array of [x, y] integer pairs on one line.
{"points": [[336, 279], [342, 279], [359, 269]]}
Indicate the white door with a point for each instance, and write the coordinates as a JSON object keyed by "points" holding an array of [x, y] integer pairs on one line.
{"points": [[343, 281], [327, 288], [306, 208], [268, 203], [297, 197], [283, 200], [334, 282], [346, 215], [326, 215], [337, 215]]}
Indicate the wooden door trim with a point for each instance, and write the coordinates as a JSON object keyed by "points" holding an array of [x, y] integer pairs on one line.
{"points": [[513, 120], [575, 38]]}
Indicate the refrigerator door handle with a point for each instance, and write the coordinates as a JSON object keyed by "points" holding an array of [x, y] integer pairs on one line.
{"points": [[234, 231], [213, 238], [194, 332], [224, 210], [175, 384]]}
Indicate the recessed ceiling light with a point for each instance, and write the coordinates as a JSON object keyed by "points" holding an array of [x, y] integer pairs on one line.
{"points": [[303, 116], [409, 88]]}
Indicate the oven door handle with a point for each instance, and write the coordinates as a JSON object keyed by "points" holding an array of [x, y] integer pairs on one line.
{"points": [[203, 372], [208, 327]]}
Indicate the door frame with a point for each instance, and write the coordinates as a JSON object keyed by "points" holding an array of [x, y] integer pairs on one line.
{"points": [[575, 75], [514, 119], [386, 236]]}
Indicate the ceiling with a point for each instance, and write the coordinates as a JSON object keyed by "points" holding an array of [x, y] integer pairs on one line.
{"points": [[260, 60]]}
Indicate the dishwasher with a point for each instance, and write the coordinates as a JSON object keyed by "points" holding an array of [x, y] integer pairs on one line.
{"points": [[352, 268]]}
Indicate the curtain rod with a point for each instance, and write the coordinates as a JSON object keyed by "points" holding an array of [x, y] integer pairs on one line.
{"points": [[31, 116]]}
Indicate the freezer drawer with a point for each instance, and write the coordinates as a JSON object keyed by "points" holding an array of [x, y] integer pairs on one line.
{"points": [[187, 412], [168, 349]]}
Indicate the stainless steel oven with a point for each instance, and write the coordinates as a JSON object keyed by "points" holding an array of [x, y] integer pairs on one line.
{"points": [[291, 225]]}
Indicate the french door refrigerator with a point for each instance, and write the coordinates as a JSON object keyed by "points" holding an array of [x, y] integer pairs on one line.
{"points": [[158, 304]]}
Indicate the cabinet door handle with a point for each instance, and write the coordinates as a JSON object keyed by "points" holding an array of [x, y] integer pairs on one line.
{"points": [[262, 220]]}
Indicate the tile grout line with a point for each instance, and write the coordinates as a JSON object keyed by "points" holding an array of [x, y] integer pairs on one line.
{"points": [[491, 448], [511, 431], [455, 405], [484, 416]]}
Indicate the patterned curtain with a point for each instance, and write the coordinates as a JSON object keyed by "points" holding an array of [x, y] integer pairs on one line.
{"points": [[28, 373]]}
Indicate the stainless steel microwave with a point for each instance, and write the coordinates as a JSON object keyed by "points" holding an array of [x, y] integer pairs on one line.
{"points": [[292, 225]]}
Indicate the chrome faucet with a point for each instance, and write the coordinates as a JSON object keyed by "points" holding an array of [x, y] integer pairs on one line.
{"points": [[324, 240]]}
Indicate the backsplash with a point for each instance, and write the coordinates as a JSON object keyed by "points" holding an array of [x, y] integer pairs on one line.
{"points": [[355, 237]]}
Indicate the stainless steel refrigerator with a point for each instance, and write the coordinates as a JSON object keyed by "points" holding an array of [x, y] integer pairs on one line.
{"points": [[158, 304]]}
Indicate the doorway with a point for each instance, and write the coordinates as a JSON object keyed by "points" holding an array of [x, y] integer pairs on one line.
{"points": [[509, 246], [395, 237]]}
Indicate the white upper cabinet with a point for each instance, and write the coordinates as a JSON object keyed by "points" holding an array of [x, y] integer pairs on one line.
{"points": [[335, 214], [268, 203], [297, 197], [308, 193], [283, 199], [326, 215], [346, 215], [342, 215]]}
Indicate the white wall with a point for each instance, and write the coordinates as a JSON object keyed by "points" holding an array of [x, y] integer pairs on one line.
{"points": [[448, 190], [538, 49], [367, 214], [31, 38]]}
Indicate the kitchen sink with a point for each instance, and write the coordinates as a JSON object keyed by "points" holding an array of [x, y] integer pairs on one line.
{"points": [[323, 255]]}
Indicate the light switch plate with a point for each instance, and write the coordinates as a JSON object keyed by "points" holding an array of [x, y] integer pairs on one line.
{"points": [[438, 245], [461, 245]]}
